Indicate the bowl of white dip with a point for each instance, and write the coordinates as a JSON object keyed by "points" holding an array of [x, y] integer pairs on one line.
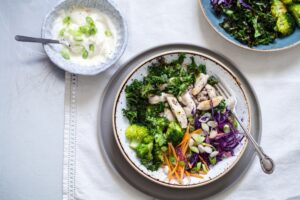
{"points": [[95, 31]]}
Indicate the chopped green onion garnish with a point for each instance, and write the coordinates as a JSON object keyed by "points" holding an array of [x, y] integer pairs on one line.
{"points": [[172, 159], [107, 33], [85, 53], [226, 128], [235, 124], [213, 160], [67, 20], [92, 30], [194, 149], [90, 21], [78, 38], [198, 166], [182, 163], [62, 32], [65, 54], [91, 47], [84, 29]]}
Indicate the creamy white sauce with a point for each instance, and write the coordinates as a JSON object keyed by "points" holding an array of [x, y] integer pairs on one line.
{"points": [[103, 41]]}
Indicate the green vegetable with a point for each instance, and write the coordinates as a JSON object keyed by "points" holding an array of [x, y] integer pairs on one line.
{"points": [[213, 160], [285, 24], [287, 2], [226, 128], [65, 54], [195, 69], [136, 134], [92, 47], [85, 53], [174, 133], [176, 78], [62, 32], [144, 151], [278, 8], [221, 107], [182, 163], [107, 33], [67, 20], [253, 26], [198, 138], [172, 160], [194, 149], [295, 11], [212, 80]]}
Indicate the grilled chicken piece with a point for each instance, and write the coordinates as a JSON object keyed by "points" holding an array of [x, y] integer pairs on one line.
{"points": [[178, 111], [205, 105], [155, 99], [211, 91], [201, 81], [168, 114], [187, 100]]}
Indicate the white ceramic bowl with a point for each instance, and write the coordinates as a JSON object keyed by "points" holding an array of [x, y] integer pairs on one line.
{"points": [[102, 5], [120, 123]]}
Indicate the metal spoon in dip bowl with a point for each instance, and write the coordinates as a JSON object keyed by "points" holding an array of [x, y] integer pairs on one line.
{"points": [[22, 38]]}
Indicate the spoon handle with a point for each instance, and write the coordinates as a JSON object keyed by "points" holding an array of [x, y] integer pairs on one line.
{"points": [[266, 163], [34, 39]]}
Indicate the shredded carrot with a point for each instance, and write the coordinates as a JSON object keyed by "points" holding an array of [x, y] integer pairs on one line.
{"points": [[181, 173], [196, 175], [173, 171], [184, 140], [184, 149], [173, 150], [186, 137], [198, 131], [203, 172], [187, 173]]}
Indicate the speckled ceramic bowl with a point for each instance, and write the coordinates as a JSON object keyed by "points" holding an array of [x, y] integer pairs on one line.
{"points": [[279, 44], [120, 123], [102, 5]]}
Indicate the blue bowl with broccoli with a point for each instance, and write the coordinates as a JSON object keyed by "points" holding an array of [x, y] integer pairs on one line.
{"points": [[259, 25]]}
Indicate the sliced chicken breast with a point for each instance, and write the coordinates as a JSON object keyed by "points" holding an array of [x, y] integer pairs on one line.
{"points": [[178, 111], [205, 105], [211, 91], [168, 114], [187, 100], [201, 81], [155, 99]]}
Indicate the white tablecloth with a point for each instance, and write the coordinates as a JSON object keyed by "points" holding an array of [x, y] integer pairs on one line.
{"points": [[274, 76]]}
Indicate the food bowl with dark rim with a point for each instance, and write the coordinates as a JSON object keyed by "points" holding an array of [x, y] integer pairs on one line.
{"points": [[120, 123]]}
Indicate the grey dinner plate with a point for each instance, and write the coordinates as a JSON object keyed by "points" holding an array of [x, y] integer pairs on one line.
{"points": [[115, 158]]}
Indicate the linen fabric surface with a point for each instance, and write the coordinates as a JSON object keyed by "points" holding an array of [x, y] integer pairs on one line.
{"points": [[274, 77]]}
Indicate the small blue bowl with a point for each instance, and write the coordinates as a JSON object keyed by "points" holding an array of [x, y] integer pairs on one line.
{"points": [[104, 6], [279, 44]]}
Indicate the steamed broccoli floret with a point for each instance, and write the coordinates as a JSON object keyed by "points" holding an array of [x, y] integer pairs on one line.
{"points": [[174, 133], [287, 2], [160, 138], [136, 134], [160, 123], [278, 8], [285, 24], [144, 151], [295, 10]]}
